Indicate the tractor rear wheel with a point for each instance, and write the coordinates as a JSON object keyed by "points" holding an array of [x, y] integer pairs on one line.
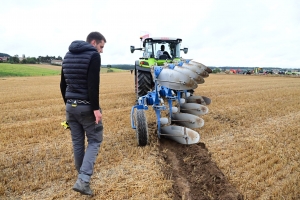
{"points": [[141, 128], [143, 82]]}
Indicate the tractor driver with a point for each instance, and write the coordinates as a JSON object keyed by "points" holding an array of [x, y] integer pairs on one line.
{"points": [[162, 52]]}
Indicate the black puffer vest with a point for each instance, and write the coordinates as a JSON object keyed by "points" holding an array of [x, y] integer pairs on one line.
{"points": [[75, 69]]}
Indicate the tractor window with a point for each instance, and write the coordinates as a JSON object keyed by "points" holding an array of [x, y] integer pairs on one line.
{"points": [[177, 50], [148, 51], [158, 48]]}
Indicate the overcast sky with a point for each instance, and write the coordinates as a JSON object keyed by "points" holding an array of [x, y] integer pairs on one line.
{"points": [[263, 33]]}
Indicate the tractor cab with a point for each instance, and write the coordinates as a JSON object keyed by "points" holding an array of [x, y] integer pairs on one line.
{"points": [[154, 45], [161, 49]]}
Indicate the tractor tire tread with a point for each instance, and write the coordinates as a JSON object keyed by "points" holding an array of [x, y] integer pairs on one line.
{"points": [[144, 83], [141, 128]]}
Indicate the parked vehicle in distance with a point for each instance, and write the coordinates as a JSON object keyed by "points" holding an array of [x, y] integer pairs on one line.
{"points": [[269, 72], [289, 72], [247, 72]]}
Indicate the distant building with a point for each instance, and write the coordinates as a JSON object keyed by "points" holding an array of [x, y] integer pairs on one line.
{"points": [[56, 62], [4, 58]]}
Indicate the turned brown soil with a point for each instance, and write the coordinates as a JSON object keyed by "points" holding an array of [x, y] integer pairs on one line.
{"points": [[194, 173]]}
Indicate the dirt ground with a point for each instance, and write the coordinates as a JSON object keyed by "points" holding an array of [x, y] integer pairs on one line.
{"points": [[194, 173], [249, 144]]}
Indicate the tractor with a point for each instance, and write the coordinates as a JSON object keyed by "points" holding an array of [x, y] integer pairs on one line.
{"points": [[166, 82]]}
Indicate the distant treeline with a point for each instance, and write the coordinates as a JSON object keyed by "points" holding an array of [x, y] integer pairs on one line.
{"points": [[47, 59], [28, 60], [224, 68]]}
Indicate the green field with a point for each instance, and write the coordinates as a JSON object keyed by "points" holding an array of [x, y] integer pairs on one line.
{"points": [[10, 70], [7, 69]]}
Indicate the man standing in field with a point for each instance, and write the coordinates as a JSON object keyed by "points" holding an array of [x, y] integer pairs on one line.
{"points": [[79, 85]]}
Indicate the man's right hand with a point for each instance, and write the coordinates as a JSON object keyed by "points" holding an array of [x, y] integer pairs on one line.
{"points": [[98, 116]]}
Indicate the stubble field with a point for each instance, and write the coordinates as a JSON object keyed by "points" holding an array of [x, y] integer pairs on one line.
{"points": [[251, 132]]}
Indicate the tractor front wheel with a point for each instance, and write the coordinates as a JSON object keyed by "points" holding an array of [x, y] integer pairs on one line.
{"points": [[143, 82]]}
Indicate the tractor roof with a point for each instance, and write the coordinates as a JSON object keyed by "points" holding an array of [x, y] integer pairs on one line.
{"points": [[163, 39]]}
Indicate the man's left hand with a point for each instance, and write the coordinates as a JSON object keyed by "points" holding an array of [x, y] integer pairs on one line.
{"points": [[98, 116]]}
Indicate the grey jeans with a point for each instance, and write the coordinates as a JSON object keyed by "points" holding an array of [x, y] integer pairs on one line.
{"points": [[81, 120]]}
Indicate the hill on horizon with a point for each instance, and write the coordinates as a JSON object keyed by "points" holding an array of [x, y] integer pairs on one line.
{"points": [[4, 54]]}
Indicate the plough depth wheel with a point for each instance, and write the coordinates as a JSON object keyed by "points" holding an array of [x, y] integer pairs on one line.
{"points": [[141, 128]]}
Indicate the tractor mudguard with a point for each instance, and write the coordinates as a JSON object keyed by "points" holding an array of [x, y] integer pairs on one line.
{"points": [[138, 67]]}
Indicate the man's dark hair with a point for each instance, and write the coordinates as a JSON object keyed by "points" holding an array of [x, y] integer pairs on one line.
{"points": [[162, 47], [95, 36]]}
